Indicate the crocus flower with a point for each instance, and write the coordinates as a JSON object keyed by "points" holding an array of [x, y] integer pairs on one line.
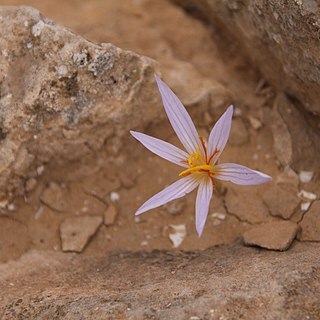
{"points": [[199, 161]]}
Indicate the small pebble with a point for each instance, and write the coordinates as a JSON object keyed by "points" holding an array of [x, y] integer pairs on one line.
{"points": [[305, 206], [110, 215], [40, 170], [255, 123], [306, 195], [305, 176], [218, 215], [114, 196], [179, 234]]}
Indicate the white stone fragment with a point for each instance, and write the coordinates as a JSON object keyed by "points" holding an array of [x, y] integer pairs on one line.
{"points": [[11, 207], [114, 196], [306, 195], [37, 29], [255, 123], [38, 213], [40, 170], [305, 176], [305, 205], [218, 215], [179, 234], [237, 112]]}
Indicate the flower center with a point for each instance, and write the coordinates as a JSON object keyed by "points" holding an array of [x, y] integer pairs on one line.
{"points": [[199, 163]]}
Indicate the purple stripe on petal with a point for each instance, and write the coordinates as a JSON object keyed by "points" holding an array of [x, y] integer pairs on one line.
{"points": [[179, 118], [202, 203], [176, 190], [219, 134], [162, 149], [239, 174]]}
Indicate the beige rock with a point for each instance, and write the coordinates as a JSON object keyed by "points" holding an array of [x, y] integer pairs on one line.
{"points": [[310, 224], [281, 202], [76, 232], [54, 197], [63, 96], [261, 34], [239, 133], [247, 206], [287, 60], [275, 235], [110, 215], [231, 280]]}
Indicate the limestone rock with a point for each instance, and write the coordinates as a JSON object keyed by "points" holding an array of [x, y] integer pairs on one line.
{"points": [[281, 39], [63, 96], [54, 197], [76, 232], [310, 225], [110, 215], [247, 206], [230, 281], [275, 235], [281, 202]]}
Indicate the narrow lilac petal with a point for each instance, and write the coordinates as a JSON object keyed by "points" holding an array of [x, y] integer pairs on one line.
{"points": [[162, 148], [202, 203], [220, 133], [176, 190], [240, 174], [179, 118]]}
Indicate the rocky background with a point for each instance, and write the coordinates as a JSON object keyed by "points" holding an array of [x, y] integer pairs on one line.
{"points": [[75, 76]]}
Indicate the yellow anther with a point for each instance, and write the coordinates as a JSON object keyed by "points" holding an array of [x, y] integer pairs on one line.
{"points": [[200, 168]]}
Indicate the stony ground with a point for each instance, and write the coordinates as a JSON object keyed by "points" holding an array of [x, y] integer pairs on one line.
{"points": [[88, 206]]}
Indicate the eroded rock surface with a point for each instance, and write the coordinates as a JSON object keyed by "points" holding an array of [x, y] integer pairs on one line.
{"points": [[62, 96], [281, 40], [225, 282]]}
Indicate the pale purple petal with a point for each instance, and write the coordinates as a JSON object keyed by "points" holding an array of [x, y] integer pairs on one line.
{"points": [[219, 134], [202, 203], [162, 148], [176, 190], [179, 118], [240, 174]]}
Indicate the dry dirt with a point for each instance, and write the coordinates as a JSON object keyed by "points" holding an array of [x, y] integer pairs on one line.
{"points": [[164, 32]]}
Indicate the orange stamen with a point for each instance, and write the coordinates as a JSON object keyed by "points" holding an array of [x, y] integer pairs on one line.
{"points": [[214, 154], [204, 148]]}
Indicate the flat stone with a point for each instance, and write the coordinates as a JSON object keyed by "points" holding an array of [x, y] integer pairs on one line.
{"points": [[110, 215], [282, 203], [275, 235], [239, 133], [310, 224], [53, 196], [247, 206], [76, 232]]}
